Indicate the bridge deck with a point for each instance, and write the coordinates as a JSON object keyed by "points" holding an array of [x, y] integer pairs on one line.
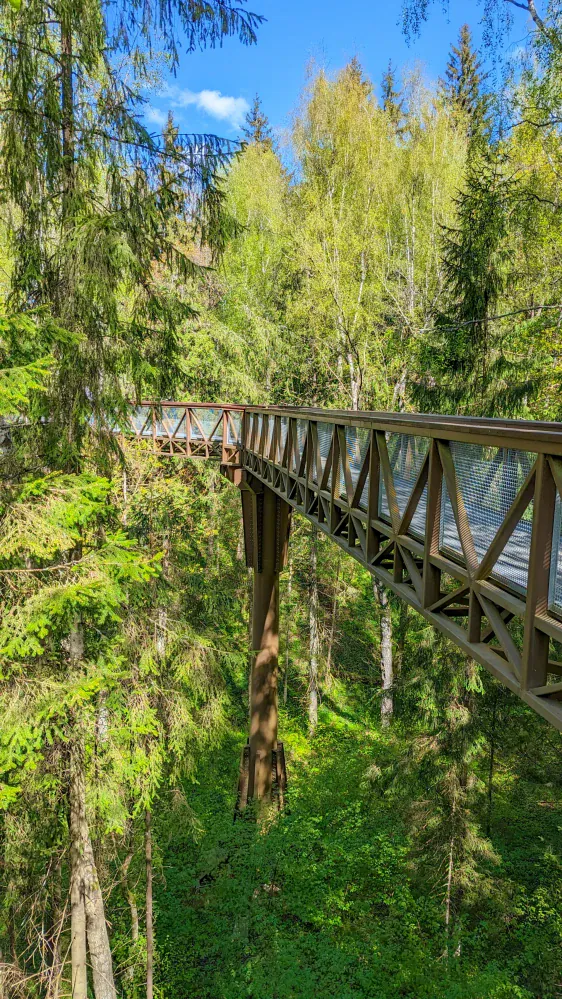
{"points": [[460, 517]]}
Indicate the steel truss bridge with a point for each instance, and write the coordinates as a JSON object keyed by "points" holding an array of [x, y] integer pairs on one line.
{"points": [[459, 517]]}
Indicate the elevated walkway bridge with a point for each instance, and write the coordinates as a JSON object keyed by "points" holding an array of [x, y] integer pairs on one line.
{"points": [[459, 517]]}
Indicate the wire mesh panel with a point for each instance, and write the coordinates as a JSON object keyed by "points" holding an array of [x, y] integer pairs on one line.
{"points": [[555, 593], [302, 427], [356, 443], [325, 432], [489, 480], [268, 435], [142, 421], [283, 436], [204, 425], [253, 432], [168, 424], [234, 430], [406, 453]]}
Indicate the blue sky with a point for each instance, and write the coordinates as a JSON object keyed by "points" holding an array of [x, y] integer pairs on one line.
{"points": [[212, 90]]}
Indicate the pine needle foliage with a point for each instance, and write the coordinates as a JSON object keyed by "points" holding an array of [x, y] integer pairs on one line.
{"points": [[464, 84], [95, 200], [257, 129]]}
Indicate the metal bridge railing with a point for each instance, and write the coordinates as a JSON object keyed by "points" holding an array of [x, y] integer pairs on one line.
{"points": [[196, 431], [460, 517]]}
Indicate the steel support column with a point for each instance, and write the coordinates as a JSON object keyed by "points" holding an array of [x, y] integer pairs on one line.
{"points": [[266, 532], [263, 695]]}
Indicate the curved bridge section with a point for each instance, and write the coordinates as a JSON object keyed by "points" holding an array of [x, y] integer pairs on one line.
{"points": [[459, 517]]}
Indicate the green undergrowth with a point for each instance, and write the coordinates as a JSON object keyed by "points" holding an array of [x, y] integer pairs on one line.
{"points": [[327, 902]]}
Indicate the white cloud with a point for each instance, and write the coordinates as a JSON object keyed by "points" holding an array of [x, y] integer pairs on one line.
{"points": [[155, 116], [212, 102]]}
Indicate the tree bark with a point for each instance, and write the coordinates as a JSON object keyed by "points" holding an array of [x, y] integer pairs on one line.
{"points": [[67, 109], [314, 633], [77, 904], [87, 900], [161, 619], [386, 666], [57, 922], [333, 618], [131, 902], [288, 631], [490, 789], [149, 909], [250, 599], [403, 620], [448, 894]]}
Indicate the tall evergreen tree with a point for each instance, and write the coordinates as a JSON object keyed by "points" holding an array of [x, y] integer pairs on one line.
{"points": [[257, 128], [466, 368], [392, 100], [464, 82], [96, 197]]}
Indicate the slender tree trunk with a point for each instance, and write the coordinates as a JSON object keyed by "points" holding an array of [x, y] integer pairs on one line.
{"points": [[354, 383], [449, 893], [161, 618], [490, 789], [67, 104], [131, 902], [87, 899], [77, 820], [149, 910], [250, 599], [403, 619], [57, 920], [77, 905], [288, 630], [314, 633], [386, 666], [125, 494], [333, 617]]}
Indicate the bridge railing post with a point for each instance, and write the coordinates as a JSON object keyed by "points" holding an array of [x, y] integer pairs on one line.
{"points": [[431, 573], [536, 642]]}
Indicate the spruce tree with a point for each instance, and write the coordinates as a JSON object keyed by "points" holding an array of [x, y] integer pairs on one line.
{"points": [[464, 81], [257, 129], [465, 367], [392, 101], [95, 198]]}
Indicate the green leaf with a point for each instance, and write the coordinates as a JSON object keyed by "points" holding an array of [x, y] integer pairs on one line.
{"points": [[15, 4]]}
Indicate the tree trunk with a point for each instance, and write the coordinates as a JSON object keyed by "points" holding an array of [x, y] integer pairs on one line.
{"points": [[57, 922], [125, 494], [77, 905], [288, 631], [387, 676], [149, 910], [314, 633], [67, 102], [490, 789], [250, 598], [449, 893], [131, 902], [87, 899], [333, 619], [77, 823], [161, 619], [403, 620]]}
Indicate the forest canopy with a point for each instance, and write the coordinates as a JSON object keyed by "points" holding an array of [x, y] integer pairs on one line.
{"points": [[398, 248]]}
